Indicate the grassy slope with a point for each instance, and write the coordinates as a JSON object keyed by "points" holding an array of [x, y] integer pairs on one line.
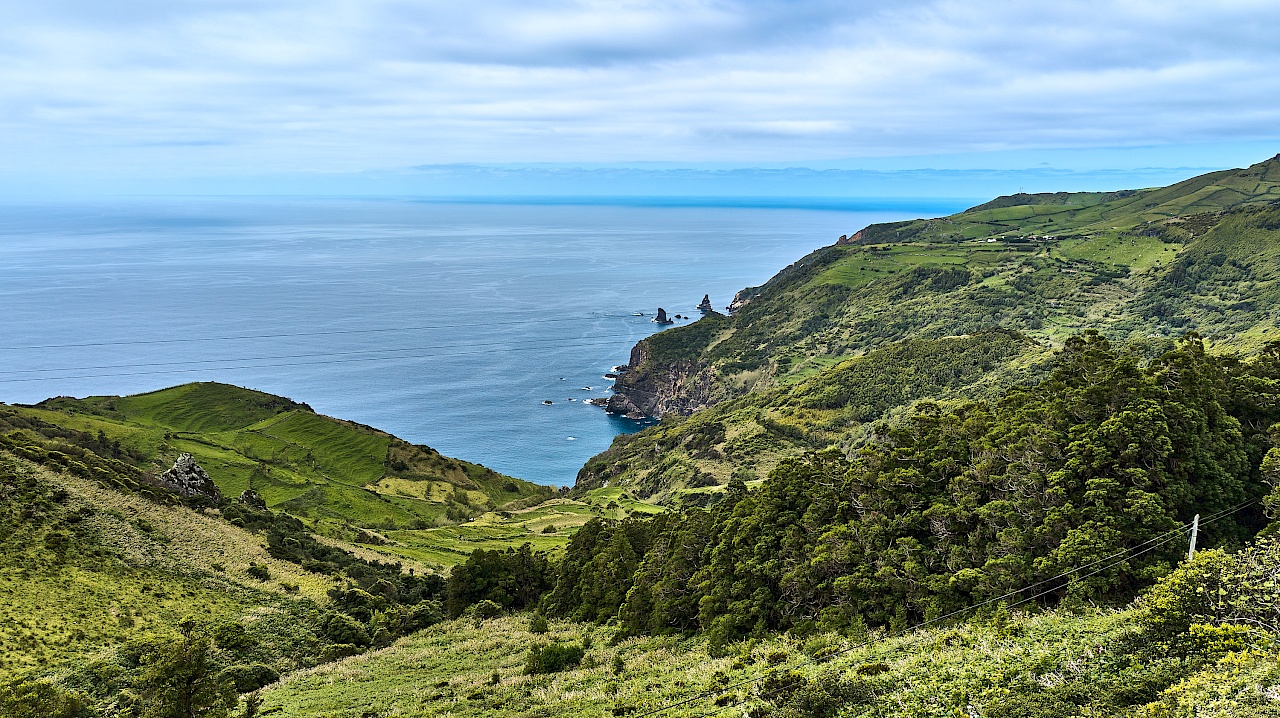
{"points": [[1092, 213], [348, 481], [449, 670], [86, 567], [1140, 266], [688, 458], [450, 545], [94, 557], [337, 475]]}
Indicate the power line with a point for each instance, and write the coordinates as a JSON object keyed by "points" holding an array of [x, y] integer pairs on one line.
{"points": [[1162, 539], [914, 634]]}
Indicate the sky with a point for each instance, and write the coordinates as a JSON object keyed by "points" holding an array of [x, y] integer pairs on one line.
{"points": [[683, 96]]}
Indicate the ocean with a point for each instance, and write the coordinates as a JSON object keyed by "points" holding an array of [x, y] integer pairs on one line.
{"points": [[445, 323]]}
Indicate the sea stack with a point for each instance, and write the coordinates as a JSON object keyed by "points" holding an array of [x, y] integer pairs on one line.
{"points": [[706, 304], [662, 317]]}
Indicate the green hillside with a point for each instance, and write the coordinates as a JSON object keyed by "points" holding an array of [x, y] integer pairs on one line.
{"points": [[336, 475], [690, 459], [1015, 532], [122, 597], [1021, 556], [86, 567], [1141, 267], [941, 468], [1000, 665]]}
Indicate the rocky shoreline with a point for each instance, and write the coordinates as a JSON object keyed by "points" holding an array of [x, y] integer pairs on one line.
{"points": [[647, 391]]}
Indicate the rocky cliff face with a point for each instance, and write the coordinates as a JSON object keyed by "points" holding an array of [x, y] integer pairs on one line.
{"points": [[680, 387], [741, 299], [188, 479]]}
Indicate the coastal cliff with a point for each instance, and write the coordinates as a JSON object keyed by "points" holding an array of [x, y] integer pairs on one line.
{"points": [[808, 359], [680, 387]]}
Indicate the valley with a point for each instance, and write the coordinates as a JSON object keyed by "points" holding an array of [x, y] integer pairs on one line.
{"points": [[941, 467]]}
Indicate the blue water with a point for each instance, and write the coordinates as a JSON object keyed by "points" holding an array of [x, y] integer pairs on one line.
{"points": [[444, 323]]}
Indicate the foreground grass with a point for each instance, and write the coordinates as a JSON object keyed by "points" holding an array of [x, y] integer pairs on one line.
{"points": [[465, 668], [154, 566]]}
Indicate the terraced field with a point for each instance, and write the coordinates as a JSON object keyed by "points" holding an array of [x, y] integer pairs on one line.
{"points": [[339, 476]]}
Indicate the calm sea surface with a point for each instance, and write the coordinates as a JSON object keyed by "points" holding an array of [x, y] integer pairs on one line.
{"points": [[447, 324]]}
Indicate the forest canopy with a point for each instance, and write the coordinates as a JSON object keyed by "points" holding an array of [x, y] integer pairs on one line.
{"points": [[950, 506]]}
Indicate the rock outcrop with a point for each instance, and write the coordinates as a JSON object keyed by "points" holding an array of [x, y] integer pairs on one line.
{"points": [[742, 297], [188, 479], [662, 317], [253, 499], [681, 387], [854, 238], [705, 306]]}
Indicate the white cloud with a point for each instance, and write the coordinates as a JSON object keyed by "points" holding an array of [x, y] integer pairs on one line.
{"points": [[235, 86]]}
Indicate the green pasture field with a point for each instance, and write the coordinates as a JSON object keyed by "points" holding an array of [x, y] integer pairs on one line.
{"points": [[336, 475]]}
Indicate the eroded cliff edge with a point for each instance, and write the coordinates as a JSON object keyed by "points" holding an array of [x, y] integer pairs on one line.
{"points": [[654, 389]]}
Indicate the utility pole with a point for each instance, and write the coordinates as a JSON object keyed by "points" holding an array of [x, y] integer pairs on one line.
{"points": [[1195, 529]]}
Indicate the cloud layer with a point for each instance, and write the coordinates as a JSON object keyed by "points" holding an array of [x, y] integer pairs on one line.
{"points": [[236, 86]]}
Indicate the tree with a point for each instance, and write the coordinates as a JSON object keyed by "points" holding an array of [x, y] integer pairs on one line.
{"points": [[180, 679]]}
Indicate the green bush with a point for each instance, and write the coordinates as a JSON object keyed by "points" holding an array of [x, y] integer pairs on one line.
{"points": [[179, 679], [553, 658], [487, 609], [538, 623], [233, 637], [41, 697], [1216, 589], [791, 695], [338, 651], [343, 629], [249, 677]]}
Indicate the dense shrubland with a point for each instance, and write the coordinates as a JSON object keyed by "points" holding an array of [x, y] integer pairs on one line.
{"points": [[944, 509], [751, 434]]}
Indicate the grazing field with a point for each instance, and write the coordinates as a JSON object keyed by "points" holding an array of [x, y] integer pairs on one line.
{"points": [[547, 527], [338, 476]]}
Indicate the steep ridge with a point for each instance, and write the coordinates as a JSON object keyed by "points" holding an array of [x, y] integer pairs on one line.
{"points": [[1034, 263], [1142, 267]]}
